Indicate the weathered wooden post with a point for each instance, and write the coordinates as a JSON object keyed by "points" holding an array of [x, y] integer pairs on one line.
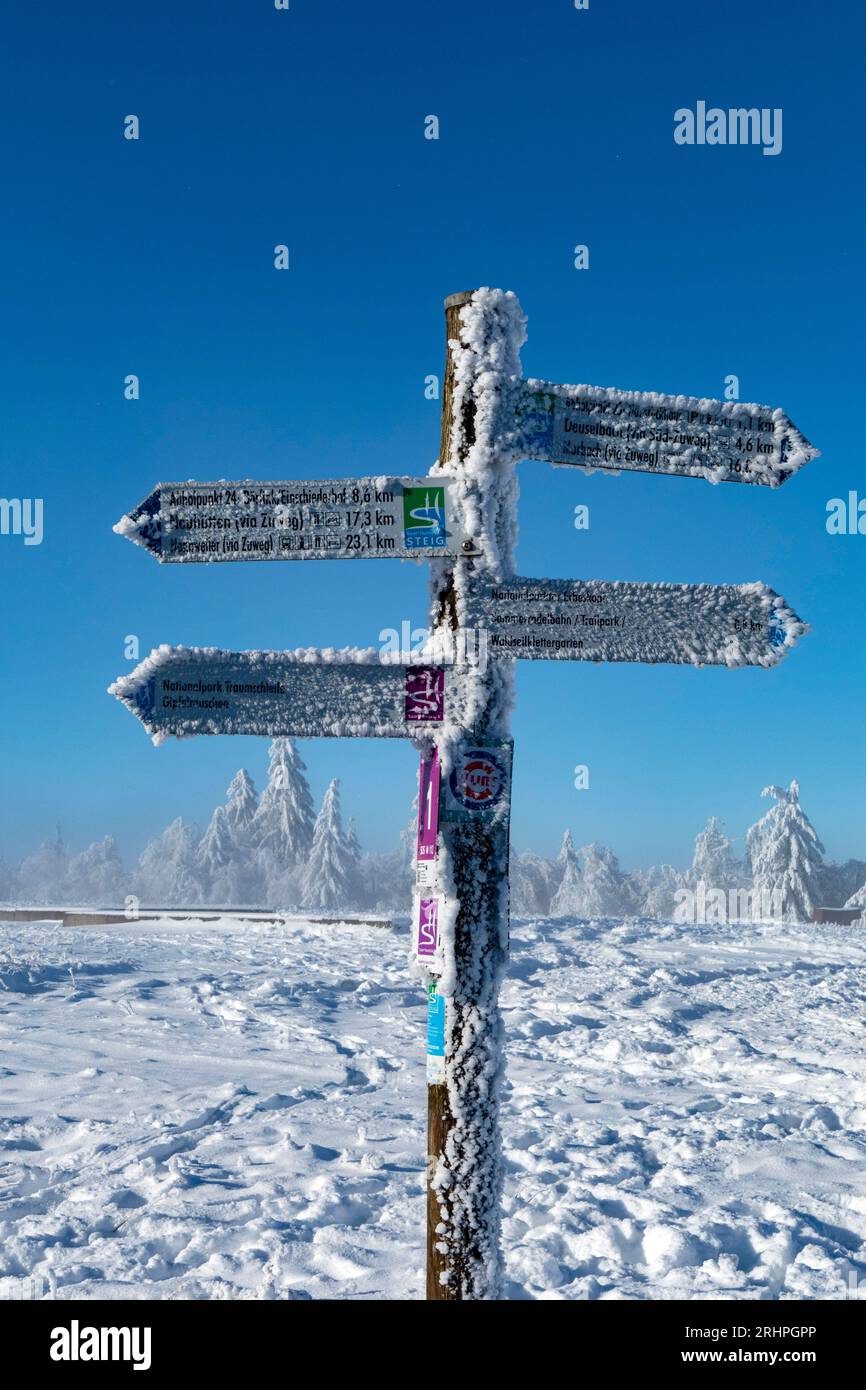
{"points": [[484, 331]]}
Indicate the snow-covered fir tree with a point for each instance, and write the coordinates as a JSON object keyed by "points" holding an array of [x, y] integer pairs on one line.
{"points": [[96, 877], [602, 891], [713, 863], [167, 873], [841, 882], [8, 883], [858, 899], [785, 859], [568, 898], [355, 858], [42, 875], [655, 891], [241, 800], [282, 827], [231, 875], [533, 880], [217, 855], [327, 878]]}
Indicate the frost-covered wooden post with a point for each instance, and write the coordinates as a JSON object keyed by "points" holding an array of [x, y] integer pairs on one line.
{"points": [[462, 518], [484, 332]]}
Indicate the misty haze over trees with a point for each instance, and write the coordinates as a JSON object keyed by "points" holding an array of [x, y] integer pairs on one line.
{"points": [[276, 851]]}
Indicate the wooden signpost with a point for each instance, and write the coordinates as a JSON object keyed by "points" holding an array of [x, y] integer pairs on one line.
{"points": [[462, 518]]}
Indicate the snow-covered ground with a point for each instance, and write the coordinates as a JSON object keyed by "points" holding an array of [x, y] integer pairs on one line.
{"points": [[217, 1110]]}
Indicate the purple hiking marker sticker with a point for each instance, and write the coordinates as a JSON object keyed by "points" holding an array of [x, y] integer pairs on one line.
{"points": [[425, 694], [428, 808], [428, 928]]}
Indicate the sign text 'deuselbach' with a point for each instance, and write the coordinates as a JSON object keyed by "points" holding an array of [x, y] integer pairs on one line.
{"points": [[643, 431]]}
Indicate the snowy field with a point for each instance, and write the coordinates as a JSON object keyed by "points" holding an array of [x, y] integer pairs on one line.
{"points": [[222, 1110]]}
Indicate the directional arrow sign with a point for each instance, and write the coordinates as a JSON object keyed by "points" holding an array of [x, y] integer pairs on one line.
{"points": [[332, 519], [592, 620], [305, 693], [601, 427]]}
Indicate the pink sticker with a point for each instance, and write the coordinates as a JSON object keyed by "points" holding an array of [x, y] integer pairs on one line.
{"points": [[428, 808], [425, 694], [428, 927]]}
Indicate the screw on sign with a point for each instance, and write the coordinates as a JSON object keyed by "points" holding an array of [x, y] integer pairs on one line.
{"points": [[462, 520]]}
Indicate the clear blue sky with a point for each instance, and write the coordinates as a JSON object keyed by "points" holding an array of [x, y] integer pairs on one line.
{"points": [[306, 127]]}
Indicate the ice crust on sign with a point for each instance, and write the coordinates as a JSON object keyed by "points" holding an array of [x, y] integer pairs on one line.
{"points": [[317, 519], [306, 693], [597, 620], [602, 427], [468, 1177]]}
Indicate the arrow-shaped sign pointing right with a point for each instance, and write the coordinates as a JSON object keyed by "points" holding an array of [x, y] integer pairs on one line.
{"points": [[642, 431]]}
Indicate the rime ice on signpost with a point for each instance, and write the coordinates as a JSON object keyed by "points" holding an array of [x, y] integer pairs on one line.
{"points": [[484, 333], [456, 705]]}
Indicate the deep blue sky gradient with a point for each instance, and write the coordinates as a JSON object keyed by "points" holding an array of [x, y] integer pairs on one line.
{"points": [[306, 127]]}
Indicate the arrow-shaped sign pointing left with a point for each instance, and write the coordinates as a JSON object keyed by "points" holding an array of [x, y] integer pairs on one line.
{"points": [[320, 519], [346, 693]]}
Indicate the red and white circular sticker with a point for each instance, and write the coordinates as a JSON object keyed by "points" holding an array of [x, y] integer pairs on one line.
{"points": [[477, 780]]}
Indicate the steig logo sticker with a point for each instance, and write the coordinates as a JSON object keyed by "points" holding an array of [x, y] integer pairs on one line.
{"points": [[424, 518], [478, 779]]}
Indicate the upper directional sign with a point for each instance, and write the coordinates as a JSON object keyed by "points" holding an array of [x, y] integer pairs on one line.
{"points": [[334, 519], [601, 427], [183, 691], [592, 620]]}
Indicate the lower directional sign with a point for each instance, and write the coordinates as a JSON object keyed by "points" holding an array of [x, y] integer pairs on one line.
{"points": [[592, 620], [602, 427], [183, 691], [342, 519]]}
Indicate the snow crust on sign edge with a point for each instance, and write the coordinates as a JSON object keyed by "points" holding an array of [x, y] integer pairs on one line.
{"points": [[125, 688], [803, 450]]}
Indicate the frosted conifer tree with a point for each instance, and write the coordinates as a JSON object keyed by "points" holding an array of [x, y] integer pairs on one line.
{"points": [[713, 864], [42, 876], [604, 890], [353, 851], [242, 802], [217, 849], [785, 859], [8, 882], [282, 827], [96, 876], [230, 874], [533, 880], [858, 899], [655, 891], [167, 871], [568, 898], [327, 879]]}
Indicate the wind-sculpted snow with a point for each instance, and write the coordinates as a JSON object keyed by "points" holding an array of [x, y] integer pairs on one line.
{"points": [[237, 1110]]}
